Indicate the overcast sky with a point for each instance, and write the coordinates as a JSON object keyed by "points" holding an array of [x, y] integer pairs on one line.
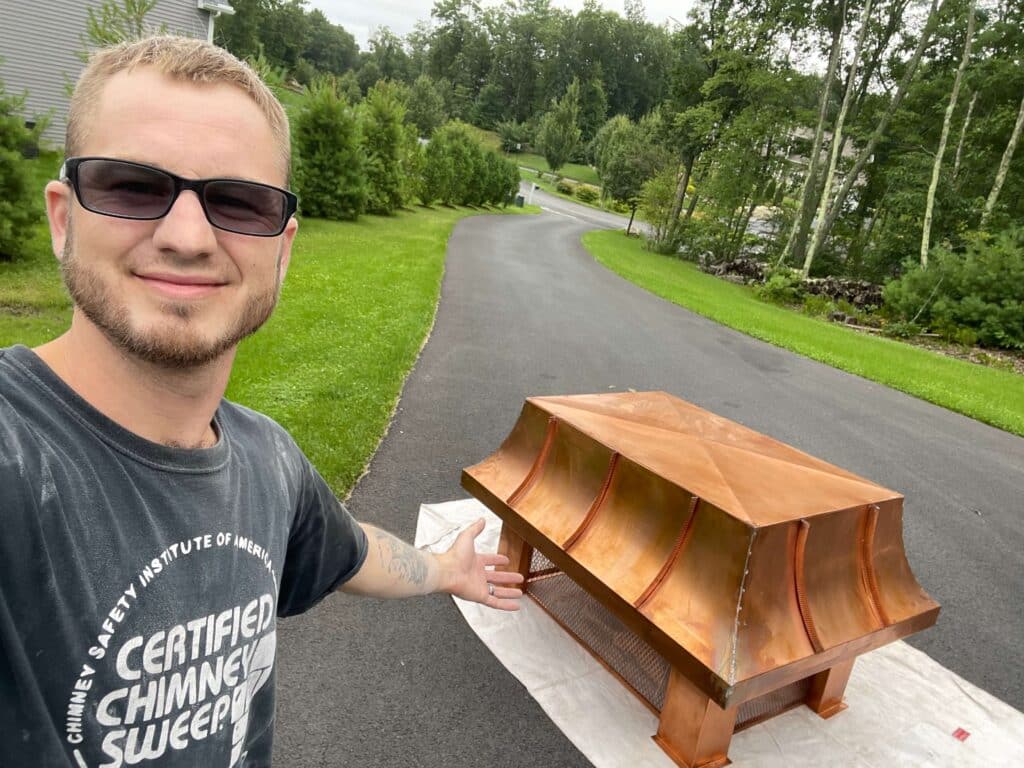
{"points": [[361, 18]]}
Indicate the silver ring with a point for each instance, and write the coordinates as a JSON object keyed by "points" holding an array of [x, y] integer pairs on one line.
{"points": [[490, 589]]}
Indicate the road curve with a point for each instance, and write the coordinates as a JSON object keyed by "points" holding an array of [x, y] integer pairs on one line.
{"points": [[525, 311]]}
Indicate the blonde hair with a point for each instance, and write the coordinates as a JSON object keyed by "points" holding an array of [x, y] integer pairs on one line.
{"points": [[181, 58]]}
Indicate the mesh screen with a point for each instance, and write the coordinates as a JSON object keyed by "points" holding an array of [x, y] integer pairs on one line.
{"points": [[640, 666], [632, 659], [772, 703]]}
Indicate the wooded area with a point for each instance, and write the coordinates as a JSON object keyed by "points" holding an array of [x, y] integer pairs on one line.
{"points": [[864, 139], [869, 139]]}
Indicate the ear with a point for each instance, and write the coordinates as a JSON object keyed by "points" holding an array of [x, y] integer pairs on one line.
{"points": [[58, 206], [286, 248]]}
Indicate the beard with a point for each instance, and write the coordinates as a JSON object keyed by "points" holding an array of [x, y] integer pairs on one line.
{"points": [[174, 345]]}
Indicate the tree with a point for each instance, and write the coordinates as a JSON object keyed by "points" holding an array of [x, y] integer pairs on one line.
{"points": [[329, 172], [329, 47], [19, 209], [1004, 167], [627, 156], [114, 22], [383, 143], [954, 94], [425, 106], [559, 131]]}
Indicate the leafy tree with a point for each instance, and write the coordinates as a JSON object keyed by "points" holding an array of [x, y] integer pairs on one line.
{"points": [[489, 108], [330, 174], [19, 207], [387, 51], [629, 157], [384, 145], [368, 76], [593, 108], [425, 106], [329, 47], [559, 131]]}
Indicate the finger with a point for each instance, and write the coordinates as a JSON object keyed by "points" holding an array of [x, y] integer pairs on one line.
{"points": [[507, 593], [477, 527], [493, 559], [504, 577]]}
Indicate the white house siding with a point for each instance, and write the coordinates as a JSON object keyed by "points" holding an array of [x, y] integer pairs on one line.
{"points": [[40, 41]]}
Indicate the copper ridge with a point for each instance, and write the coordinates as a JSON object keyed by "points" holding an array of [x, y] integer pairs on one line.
{"points": [[868, 565], [684, 534], [592, 512], [542, 457]]}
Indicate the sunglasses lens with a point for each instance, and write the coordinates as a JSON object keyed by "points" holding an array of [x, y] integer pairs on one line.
{"points": [[123, 189], [250, 209]]}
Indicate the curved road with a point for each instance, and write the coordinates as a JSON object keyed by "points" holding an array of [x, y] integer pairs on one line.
{"points": [[525, 311]]}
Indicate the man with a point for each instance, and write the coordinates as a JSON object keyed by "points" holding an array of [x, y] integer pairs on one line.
{"points": [[152, 531]]}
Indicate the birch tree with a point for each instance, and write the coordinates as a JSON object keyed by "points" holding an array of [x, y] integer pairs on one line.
{"points": [[926, 229], [802, 221], [838, 139], [1004, 166]]}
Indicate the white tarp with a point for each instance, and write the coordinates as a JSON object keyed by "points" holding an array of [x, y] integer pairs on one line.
{"points": [[904, 708]]}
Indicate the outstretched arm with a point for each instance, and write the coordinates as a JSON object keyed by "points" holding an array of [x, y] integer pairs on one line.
{"points": [[395, 569]]}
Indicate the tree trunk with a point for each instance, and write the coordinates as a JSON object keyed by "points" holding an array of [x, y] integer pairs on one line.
{"points": [[797, 233], [929, 206], [963, 135], [838, 139], [1004, 166], [825, 227], [632, 213], [684, 183]]}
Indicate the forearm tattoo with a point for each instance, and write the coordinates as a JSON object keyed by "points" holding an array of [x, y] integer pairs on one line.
{"points": [[400, 559]]}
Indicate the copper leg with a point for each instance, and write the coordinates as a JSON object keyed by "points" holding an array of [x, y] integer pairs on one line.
{"points": [[518, 551], [826, 696], [693, 730]]}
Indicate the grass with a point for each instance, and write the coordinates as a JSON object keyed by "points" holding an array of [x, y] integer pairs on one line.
{"points": [[573, 171], [329, 365], [993, 396]]}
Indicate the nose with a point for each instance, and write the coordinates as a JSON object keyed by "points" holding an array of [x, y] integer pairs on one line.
{"points": [[185, 229]]}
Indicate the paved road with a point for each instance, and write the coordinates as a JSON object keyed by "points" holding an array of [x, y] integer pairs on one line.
{"points": [[525, 311]]}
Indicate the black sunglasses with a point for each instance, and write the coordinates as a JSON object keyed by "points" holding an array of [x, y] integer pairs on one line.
{"points": [[130, 190]]}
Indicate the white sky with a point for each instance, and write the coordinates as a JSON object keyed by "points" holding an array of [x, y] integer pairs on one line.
{"points": [[401, 15]]}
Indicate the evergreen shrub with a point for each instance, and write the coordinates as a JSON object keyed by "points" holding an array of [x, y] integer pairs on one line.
{"points": [[565, 186], [383, 137], [330, 176], [19, 199], [981, 290]]}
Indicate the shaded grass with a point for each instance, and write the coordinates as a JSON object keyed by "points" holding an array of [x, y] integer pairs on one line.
{"points": [[993, 396]]}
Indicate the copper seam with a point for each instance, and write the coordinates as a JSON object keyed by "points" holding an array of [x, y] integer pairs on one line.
{"points": [[542, 457], [676, 549], [801, 594], [598, 502], [867, 565]]}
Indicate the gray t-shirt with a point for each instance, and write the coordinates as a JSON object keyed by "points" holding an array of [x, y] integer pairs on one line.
{"points": [[140, 584]]}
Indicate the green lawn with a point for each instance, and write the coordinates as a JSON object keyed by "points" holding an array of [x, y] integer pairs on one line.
{"points": [[574, 171], [993, 396], [355, 309]]}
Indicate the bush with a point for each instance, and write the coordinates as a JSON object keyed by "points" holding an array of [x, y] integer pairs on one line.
{"points": [[587, 193], [329, 173], [515, 136], [817, 306], [978, 290], [19, 199], [565, 186], [783, 286], [457, 170], [383, 136]]}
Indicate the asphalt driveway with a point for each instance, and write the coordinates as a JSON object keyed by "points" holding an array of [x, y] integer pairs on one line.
{"points": [[525, 311]]}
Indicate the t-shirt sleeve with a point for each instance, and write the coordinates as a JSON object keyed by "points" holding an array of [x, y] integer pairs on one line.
{"points": [[326, 547]]}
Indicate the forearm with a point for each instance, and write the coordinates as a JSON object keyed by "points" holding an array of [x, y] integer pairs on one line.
{"points": [[394, 568]]}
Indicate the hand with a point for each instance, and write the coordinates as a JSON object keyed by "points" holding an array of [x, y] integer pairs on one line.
{"points": [[468, 575]]}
